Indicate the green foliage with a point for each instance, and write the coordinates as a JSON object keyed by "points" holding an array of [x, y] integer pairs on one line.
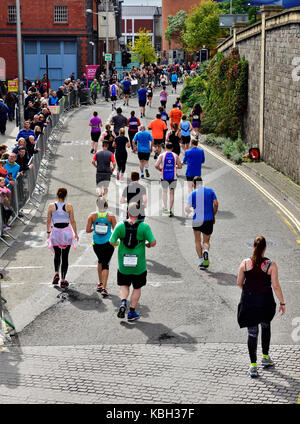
{"points": [[176, 26], [234, 150], [143, 51], [202, 27], [239, 7]]}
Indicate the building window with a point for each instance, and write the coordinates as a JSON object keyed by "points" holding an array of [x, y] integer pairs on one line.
{"points": [[60, 14], [12, 14]]}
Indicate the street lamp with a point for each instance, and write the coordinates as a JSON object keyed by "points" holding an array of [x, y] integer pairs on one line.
{"points": [[20, 65], [106, 41], [94, 56]]}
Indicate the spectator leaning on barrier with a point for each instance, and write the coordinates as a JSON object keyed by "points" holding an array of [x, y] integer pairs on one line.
{"points": [[5, 199], [31, 146], [3, 171], [12, 169], [21, 143], [23, 160], [53, 99], [26, 131]]}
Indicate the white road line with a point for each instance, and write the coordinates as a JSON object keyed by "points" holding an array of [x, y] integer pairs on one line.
{"points": [[290, 216]]}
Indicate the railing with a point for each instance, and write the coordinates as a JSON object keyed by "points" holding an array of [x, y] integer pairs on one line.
{"points": [[27, 186]]}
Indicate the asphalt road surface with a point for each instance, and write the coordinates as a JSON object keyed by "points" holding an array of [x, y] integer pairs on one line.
{"points": [[180, 305]]}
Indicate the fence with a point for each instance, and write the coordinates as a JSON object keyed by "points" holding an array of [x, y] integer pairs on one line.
{"points": [[28, 185]]}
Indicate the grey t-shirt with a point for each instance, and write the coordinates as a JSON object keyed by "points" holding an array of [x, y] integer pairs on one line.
{"points": [[119, 121], [103, 158]]}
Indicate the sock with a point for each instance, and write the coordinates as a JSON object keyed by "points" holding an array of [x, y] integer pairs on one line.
{"points": [[124, 300], [201, 261], [266, 356], [142, 171], [254, 364], [132, 310]]}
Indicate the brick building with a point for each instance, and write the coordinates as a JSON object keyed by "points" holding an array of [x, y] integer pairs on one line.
{"points": [[135, 18], [60, 29], [171, 7]]}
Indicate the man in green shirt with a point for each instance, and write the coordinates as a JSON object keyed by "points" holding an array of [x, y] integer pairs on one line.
{"points": [[134, 236]]}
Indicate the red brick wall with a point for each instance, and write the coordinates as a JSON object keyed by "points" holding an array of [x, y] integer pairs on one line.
{"points": [[143, 23], [171, 7]]}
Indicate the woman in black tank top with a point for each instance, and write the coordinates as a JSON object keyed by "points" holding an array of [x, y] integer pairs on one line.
{"points": [[174, 137], [257, 277]]}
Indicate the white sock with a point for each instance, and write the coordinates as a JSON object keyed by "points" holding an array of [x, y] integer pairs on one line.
{"points": [[201, 261]]}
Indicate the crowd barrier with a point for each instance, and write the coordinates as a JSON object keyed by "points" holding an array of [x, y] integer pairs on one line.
{"points": [[30, 184]]}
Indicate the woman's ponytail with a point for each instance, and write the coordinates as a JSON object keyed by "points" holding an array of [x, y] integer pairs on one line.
{"points": [[259, 246]]}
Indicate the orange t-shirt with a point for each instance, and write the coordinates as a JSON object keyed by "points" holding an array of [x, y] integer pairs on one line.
{"points": [[175, 115], [158, 126]]}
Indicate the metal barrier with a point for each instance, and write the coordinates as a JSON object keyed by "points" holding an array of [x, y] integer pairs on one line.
{"points": [[27, 186]]}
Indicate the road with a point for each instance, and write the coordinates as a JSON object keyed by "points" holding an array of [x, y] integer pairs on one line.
{"points": [[187, 341]]}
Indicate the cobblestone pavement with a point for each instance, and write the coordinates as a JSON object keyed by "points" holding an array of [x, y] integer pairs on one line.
{"points": [[183, 373]]}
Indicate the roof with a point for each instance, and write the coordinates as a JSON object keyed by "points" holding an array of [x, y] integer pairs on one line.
{"points": [[133, 11]]}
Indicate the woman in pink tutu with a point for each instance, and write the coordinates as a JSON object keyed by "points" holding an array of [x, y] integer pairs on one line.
{"points": [[62, 234]]}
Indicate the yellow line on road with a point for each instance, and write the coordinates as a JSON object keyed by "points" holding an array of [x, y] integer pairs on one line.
{"points": [[283, 209], [287, 222]]}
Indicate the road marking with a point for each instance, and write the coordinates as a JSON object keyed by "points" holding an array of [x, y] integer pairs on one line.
{"points": [[160, 283], [24, 267], [287, 222], [283, 209]]}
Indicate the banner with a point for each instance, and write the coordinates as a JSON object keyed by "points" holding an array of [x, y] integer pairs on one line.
{"points": [[54, 109], [91, 71], [12, 85]]}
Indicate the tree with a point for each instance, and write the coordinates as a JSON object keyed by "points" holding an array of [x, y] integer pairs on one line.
{"points": [[176, 27], [202, 27], [142, 51]]}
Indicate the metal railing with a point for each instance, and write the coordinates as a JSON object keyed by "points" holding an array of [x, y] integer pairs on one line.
{"points": [[29, 185]]}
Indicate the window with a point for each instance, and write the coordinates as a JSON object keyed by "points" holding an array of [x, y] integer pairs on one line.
{"points": [[30, 47], [60, 14], [50, 47], [12, 14]]}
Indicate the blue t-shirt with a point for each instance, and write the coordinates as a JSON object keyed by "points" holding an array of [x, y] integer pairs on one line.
{"points": [[201, 201], [126, 84], [142, 94], [174, 78], [194, 158], [143, 140], [185, 128]]}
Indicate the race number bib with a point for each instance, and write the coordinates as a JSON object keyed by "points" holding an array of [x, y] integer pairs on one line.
{"points": [[101, 228], [195, 117], [130, 260]]}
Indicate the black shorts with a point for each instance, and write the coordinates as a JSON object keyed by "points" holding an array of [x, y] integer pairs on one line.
{"points": [[158, 141], [104, 253], [113, 98], [186, 139], [143, 156], [169, 184], [174, 84], [95, 136], [126, 92], [205, 227], [137, 281], [163, 103], [104, 179], [142, 103], [190, 178]]}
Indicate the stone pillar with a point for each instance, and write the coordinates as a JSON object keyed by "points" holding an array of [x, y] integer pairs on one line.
{"points": [[237, 27], [266, 12]]}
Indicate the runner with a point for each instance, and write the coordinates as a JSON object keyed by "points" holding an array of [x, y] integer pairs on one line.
{"points": [[133, 125], [101, 223], [149, 94], [163, 97], [109, 136], [196, 116], [62, 234], [118, 121], [166, 164], [126, 90], [205, 204], [174, 137], [121, 153], [132, 268], [142, 97], [102, 161], [185, 127], [157, 126], [95, 124], [178, 103], [114, 94], [194, 158], [143, 139], [175, 115], [163, 80], [165, 118], [256, 277], [135, 192], [174, 79]]}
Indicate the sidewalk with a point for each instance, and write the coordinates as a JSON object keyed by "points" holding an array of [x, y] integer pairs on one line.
{"points": [[10, 136]]}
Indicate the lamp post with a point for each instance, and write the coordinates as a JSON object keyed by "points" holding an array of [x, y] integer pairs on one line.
{"points": [[94, 55], [20, 65], [106, 32]]}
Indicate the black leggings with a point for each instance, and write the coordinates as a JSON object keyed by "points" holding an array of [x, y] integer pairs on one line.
{"points": [[61, 255], [253, 337], [121, 161]]}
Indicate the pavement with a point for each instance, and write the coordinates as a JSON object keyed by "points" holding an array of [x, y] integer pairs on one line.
{"points": [[187, 346]]}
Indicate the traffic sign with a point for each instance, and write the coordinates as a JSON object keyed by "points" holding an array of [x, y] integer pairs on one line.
{"points": [[107, 57], [226, 21]]}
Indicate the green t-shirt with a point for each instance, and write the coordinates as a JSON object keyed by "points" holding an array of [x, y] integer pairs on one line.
{"points": [[136, 255]]}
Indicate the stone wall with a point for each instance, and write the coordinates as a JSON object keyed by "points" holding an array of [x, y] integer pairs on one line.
{"points": [[280, 136]]}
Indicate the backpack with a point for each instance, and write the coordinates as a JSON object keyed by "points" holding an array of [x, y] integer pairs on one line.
{"points": [[130, 240], [113, 90]]}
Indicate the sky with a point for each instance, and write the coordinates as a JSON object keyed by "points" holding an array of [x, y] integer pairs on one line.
{"points": [[142, 2]]}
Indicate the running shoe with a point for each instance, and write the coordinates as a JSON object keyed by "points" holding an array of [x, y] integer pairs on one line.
{"points": [[64, 284], [104, 292], [92, 151], [122, 310], [171, 214], [205, 260], [253, 372], [55, 279], [267, 362], [142, 176], [147, 173], [99, 287], [165, 210], [200, 263], [132, 316]]}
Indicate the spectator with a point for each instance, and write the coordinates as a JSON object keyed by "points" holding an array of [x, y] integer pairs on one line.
{"points": [[29, 112], [26, 131], [23, 160], [12, 169], [21, 143], [36, 122], [60, 92], [3, 149], [3, 116], [5, 199], [53, 99], [11, 100], [31, 146], [3, 171]]}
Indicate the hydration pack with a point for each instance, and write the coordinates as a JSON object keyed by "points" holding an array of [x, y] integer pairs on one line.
{"points": [[113, 90], [130, 240]]}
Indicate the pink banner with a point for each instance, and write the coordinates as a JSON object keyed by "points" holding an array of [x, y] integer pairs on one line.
{"points": [[91, 71]]}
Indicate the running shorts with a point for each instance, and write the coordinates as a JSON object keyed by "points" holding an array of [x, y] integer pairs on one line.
{"points": [[163, 103], [186, 139], [158, 141], [103, 178], [113, 98], [142, 103], [206, 227], [143, 156], [137, 281], [169, 184], [126, 92], [95, 136], [104, 253], [174, 84]]}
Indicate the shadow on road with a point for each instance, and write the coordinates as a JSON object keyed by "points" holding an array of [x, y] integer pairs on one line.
{"points": [[222, 278], [155, 267]]}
